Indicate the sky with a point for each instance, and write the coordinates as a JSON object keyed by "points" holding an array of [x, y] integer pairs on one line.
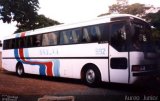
{"points": [[70, 11]]}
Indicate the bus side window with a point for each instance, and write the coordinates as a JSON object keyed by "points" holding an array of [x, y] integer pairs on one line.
{"points": [[105, 32], [77, 35], [36, 40], [29, 41], [50, 39], [86, 36], [95, 33], [14, 44], [64, 38], [92, 34], [22, 42], [45, 40], [119, 36], [18, 43], [98, 32], [140, 39], [9, 42], [53, 38], [4, 44], [71, 36]]}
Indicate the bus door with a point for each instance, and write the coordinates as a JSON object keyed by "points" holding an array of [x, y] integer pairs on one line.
{"points": [[118, 53]]}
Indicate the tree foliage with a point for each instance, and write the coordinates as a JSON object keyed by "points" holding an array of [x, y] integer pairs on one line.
{"points": [[154, 19], [39, 22], [134, 9], [22, 11]]}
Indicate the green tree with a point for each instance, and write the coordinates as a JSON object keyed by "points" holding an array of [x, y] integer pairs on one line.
{"points": [[39, 22], [154, 19], [134, 9], [22, 11]]}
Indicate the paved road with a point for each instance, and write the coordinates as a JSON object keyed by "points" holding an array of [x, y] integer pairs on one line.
{"points": [[31, 87]]}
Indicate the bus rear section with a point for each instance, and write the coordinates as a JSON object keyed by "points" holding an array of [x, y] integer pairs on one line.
{"points": [[143, 57], [131, 52]]}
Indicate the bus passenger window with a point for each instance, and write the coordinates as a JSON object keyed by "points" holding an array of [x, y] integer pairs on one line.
{"points": [[9, 44], [64, 38], [36, 40], [50, 39], [102, 31], [119, 37], [29, 41], [140, 40], [92, 34], [67, 37], [22, 42], [77, 35], [98, 32], [13, 43], [53, 38], [45, 40], [86, 36]]}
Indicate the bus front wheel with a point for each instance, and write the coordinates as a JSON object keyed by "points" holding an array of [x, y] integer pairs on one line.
{"points": [[20, 70], [92, 76]]}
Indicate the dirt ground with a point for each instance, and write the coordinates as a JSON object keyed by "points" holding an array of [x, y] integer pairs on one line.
{"points": [[37, 85], [10, 83]]}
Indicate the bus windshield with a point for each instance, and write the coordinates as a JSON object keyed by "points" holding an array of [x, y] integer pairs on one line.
{"points": [[141, 37]]}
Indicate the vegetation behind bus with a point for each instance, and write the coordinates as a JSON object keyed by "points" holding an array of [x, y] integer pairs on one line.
{"points": [[25, 13]]}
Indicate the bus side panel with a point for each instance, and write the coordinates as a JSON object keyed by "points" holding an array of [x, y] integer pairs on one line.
{"points": [[8, 61], [9, 64], [71, 68], [88, 50], [31, 69]]}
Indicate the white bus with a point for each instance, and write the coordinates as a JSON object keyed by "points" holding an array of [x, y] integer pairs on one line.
{"points": [[114, 48]]}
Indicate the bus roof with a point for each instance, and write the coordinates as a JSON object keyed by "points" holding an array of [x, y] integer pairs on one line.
{"points": [[98, 20]]}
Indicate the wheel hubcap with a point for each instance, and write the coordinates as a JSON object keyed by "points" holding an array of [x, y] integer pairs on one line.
{"points": [[90, 76], [20, 71]]}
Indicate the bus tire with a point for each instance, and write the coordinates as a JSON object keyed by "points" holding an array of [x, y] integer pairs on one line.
{"points": [[92, 76], [20, 70]]}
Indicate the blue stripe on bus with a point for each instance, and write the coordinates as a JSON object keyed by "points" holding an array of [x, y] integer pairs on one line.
{"points": [[42, 70], [56, 68]]}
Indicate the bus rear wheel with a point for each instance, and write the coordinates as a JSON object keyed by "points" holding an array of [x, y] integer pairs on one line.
{"points": [[20, 70], [92, 77]]}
